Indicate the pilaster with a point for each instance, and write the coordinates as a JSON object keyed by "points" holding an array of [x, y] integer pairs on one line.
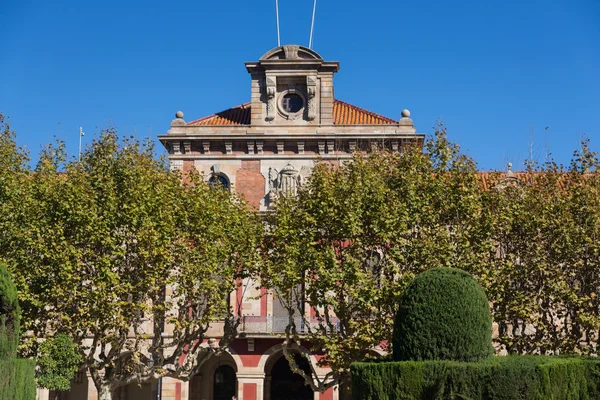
{"points": [[251, 386], [170, 389]]}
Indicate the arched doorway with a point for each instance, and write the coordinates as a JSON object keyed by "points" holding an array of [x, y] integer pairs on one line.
{"points": [[286, 385], [216, 379], [224, 383]]}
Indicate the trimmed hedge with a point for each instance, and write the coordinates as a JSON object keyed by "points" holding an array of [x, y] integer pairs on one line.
{"points": [[9, 315], [495, 378], [17, 376], [17, 379], [443, 315]]}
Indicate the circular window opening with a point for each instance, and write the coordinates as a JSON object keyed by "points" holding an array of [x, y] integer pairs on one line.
{"points": [[292, 103]]}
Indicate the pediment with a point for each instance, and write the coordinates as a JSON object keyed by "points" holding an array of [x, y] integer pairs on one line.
{"points": [[291, 52]]}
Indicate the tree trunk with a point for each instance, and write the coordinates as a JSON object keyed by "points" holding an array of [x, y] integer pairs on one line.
{"points": [[105, 393]]}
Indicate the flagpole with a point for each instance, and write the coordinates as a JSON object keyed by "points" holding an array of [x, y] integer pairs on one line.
{"points": [[277, 13], [80, 136], [312, 25]]}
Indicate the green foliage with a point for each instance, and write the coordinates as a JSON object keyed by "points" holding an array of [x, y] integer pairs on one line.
{"points": [[495, 378], [58, 361], [116, 249], [542, 276], [9, 316], [443, 314], [17, 380], [357, 233]]}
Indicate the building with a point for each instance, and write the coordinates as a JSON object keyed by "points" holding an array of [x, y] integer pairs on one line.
{"points": [[260, 149], [265, 147]]}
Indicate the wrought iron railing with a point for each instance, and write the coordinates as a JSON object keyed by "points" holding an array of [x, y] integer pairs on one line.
{"points": [[278, 324]]}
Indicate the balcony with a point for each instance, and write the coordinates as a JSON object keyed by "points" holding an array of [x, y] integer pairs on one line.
{"points": [[257, 325]]}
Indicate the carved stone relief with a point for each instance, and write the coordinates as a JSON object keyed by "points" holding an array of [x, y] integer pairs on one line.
{"points": [[291, 51], [311, 90], [271, 91], [286, 181]]}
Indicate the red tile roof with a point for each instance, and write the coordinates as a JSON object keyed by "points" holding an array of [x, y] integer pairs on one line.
{"points": [[347, 114], [238, 115], [343, 114]]}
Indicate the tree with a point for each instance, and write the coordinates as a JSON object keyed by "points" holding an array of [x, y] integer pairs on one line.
{"points": [[339, 255], [58, 361], [543, 277], [353, 237], [117, 253]]}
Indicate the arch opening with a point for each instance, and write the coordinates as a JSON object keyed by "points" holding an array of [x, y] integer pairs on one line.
{"points": [[216, 379], [224, 383], [285, 384], [219, 180]]}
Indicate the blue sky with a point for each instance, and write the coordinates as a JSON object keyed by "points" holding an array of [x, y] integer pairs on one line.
{"points": [[497, 73]]}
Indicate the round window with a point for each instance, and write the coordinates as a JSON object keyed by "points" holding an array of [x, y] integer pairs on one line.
{"points": [[292, 103]]}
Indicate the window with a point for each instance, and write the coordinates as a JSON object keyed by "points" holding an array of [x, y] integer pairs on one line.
{"points": [[219, 181], [292, 103]]}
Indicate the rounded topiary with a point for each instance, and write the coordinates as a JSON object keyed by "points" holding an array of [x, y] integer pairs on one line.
{"points": [[443, 315]]}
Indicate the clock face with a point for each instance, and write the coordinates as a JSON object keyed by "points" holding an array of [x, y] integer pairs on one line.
{"points": [[292, 103]]}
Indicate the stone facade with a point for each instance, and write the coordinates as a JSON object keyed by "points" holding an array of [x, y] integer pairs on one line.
{"points": [[261, 149], [270, 144]]}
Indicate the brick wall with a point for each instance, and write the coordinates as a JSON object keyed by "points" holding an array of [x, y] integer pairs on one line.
{"points": [[250, 183]]}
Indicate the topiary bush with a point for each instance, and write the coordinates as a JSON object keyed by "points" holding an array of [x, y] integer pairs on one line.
{"points": [[443, 315], [9, 316], [17, 376], [17, 379]]}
